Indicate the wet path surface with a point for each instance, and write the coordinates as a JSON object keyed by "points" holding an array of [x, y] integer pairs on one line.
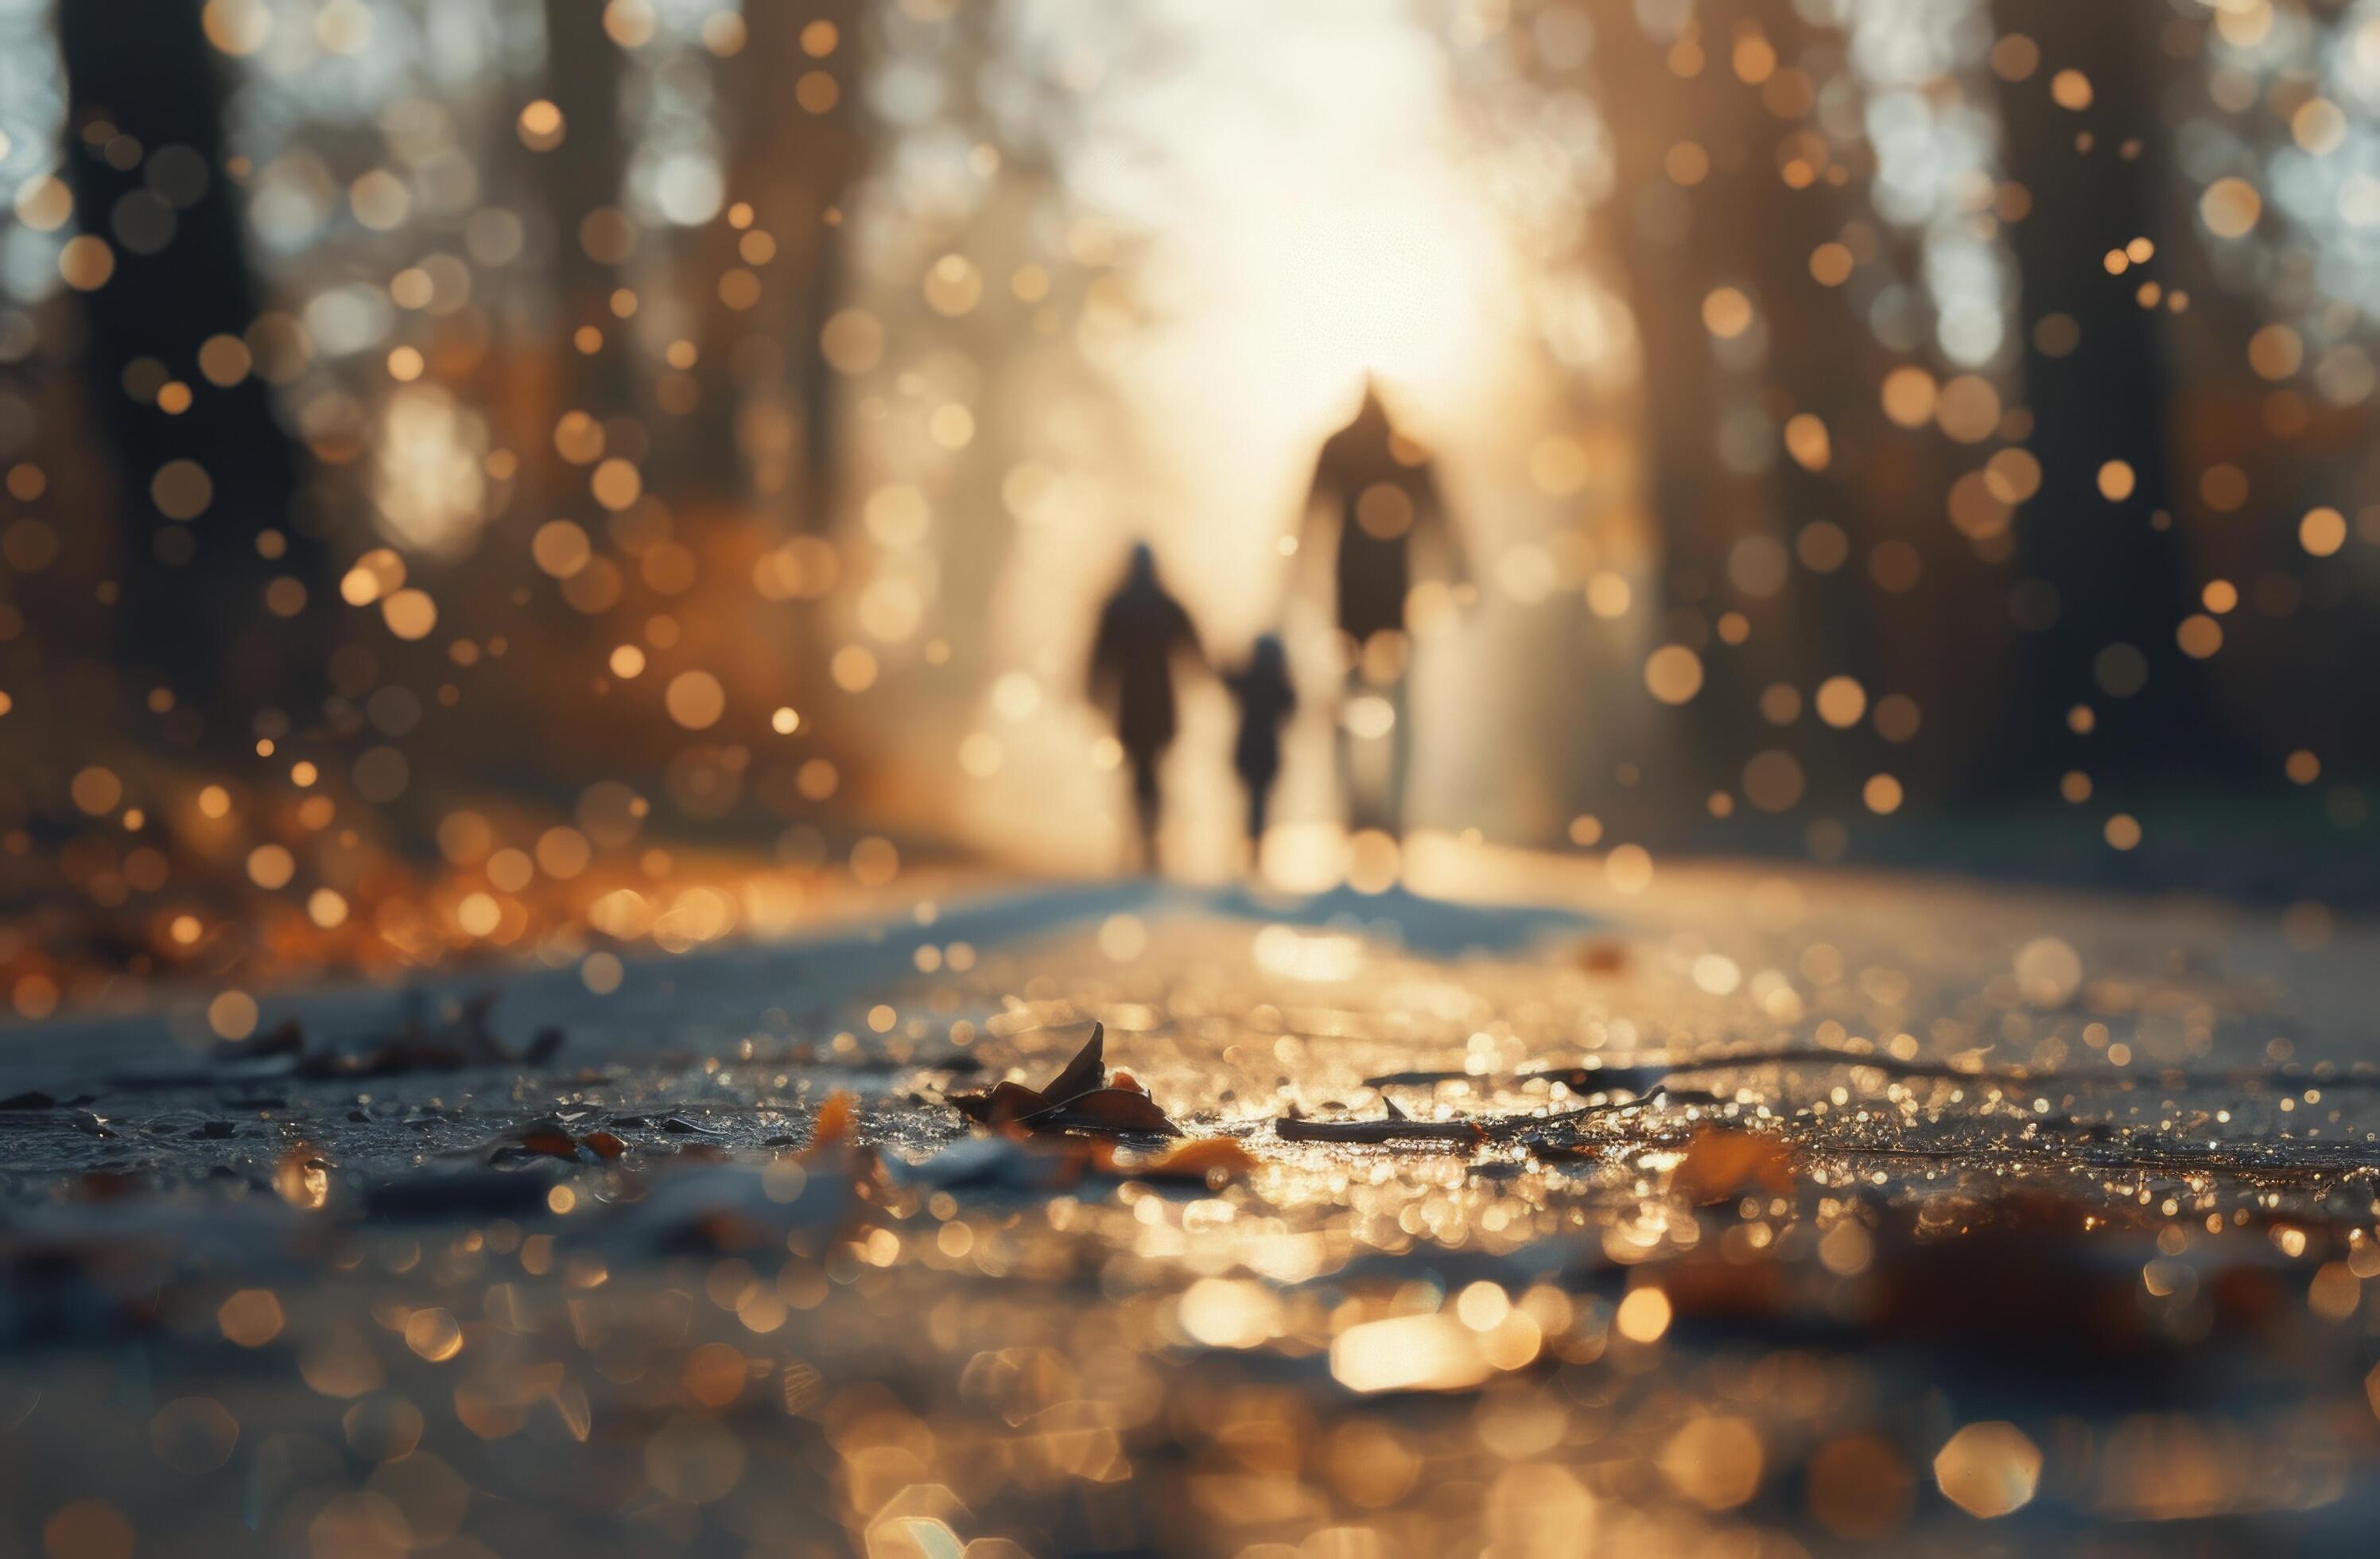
{"points": [[1749, 1216]]}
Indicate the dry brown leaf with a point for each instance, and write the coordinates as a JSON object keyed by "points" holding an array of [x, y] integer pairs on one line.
{"points": [[1721, 1165], [1079, 1099], [1206, 1161]]}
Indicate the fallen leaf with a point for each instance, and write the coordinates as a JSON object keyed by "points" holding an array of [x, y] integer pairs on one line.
{"points": [[1087, 1071], [1206, 1161], [1103, 1109], [544, 1138], [1002, 1104], [1079, 1099], [1603, 958], [1721, 1165]]}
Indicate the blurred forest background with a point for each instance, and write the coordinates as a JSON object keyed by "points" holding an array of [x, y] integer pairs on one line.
{"points": [[469, 461]]}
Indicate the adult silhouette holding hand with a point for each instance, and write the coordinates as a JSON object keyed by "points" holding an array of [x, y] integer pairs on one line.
{"points": [[1266, 697], [1382, 491], [1143, 633]]}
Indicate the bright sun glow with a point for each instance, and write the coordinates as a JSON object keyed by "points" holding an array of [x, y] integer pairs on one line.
{"points": [[1310, 205], [1312, 222]]}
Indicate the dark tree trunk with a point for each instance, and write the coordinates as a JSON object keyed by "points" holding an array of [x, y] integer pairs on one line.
{"points": [[2116, 567], [194, 618], [1674, 247], [818, 388], [792, 166], [582, 177]]}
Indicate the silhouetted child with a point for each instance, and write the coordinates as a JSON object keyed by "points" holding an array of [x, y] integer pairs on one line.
{"points": [[1265, 700], [1141, 631]]}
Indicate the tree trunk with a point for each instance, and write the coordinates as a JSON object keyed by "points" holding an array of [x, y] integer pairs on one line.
{"points": [[2117, 566], [583, 73], [195, 618], [761, 367]]}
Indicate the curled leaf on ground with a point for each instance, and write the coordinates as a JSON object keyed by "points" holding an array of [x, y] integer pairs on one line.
{"points": [[1087, 1071], [1721, 1165], [1105, 1109], [544, 1138], [1002, 1104], [1080, 1097], [1207, 1161], [1603, 958], [553, 1142]]}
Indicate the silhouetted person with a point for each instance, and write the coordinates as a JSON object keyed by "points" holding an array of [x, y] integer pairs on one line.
{"points": [[1384, 494], [1141, 631], [1265, 700]]}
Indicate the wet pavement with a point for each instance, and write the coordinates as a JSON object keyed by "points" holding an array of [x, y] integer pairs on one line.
{"points": [[1751, 1213]]}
